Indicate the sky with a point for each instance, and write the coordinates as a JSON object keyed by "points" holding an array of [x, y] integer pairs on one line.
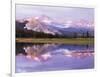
{"points": [[56, 13]]}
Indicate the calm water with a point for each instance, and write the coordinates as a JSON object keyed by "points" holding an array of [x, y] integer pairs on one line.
{"points": [[52, 57]]}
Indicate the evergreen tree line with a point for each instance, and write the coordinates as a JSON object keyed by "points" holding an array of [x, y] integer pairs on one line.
{"points": [[33, 34]]}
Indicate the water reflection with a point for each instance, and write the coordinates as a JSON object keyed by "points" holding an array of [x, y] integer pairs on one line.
{"points": [[45, 57]]}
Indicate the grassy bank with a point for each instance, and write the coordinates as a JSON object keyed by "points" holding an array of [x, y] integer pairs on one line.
{"points": [[56, 40]]}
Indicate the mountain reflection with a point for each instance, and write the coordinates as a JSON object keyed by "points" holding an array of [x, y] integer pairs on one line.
{"points": [[44, 52], [39, 52]]}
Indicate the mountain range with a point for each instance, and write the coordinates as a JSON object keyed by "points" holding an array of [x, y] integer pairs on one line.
{"points": [[47, 25]]}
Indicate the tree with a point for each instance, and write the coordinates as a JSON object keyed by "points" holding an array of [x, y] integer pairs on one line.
{"points": [[75, 35], [87, 34]]}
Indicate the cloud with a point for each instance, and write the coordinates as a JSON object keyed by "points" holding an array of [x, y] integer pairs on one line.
{"points": [[62, 13]]}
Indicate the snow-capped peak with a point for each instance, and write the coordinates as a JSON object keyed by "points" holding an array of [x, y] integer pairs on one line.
{"points": [[79, 23], [45, 19], [41, 24]]}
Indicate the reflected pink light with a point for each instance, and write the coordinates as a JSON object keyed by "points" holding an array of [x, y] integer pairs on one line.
{"points": [[28, 56], [36, 59], [46, 56], [39, 58], [79, 54]]}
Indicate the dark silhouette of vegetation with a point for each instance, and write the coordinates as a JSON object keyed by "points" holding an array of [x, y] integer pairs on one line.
{"points": [[87, 34], [75, 35]]}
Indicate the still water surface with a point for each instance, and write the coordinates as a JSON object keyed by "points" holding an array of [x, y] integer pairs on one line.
{"points": [[52, 57]]}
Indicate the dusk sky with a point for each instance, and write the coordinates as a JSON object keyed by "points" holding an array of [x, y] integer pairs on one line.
{"points": [[56, 13]]}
